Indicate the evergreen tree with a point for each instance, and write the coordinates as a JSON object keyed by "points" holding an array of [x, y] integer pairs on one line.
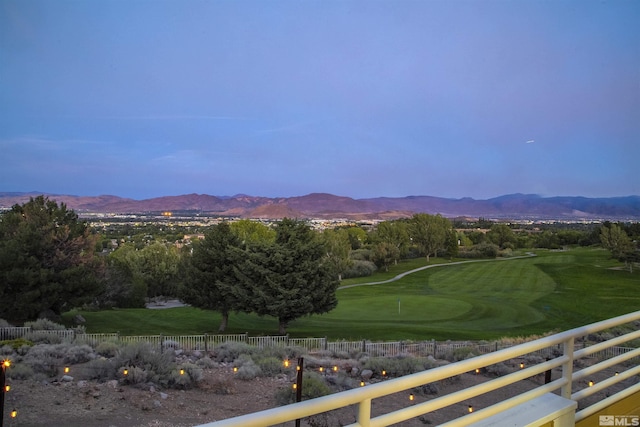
{"points": [[212, 280], [47, 260], [290, 278]]}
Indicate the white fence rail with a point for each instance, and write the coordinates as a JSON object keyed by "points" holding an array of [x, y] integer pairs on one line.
{"points": [[206, 342]]}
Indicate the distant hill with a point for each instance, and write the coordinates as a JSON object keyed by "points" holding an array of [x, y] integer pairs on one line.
{"points": [[329, 206]]}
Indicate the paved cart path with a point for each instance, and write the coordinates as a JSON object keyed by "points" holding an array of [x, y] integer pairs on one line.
{"points": [[415, 270]]}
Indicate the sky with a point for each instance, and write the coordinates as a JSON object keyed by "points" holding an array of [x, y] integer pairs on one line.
{"points": [[457, 98]]}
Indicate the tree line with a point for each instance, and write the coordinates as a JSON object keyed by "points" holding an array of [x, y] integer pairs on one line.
{"points": [[51, 261]]}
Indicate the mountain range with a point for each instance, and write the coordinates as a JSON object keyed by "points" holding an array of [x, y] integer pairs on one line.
{"points": [[329, 206]]}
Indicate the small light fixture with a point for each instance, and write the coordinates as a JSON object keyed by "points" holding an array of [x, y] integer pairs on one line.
{"points": [[6, 363], [384, 373], [335, 368], [297, 367], [591, 383], [617, 373], [411, 397], [181, 371], [125, 372], [286, 363], [295, 386], [361, 383], [7, 388], [14, 413], [470, 409], [66, 369], [477, 371], [321, 369], [235, 369], [521, 365]]}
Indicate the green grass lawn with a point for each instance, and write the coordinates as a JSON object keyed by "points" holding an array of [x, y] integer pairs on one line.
{"points": [[478, 300]]}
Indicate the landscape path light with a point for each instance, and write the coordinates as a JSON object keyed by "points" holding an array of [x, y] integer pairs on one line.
{"points": [[4, 388]]}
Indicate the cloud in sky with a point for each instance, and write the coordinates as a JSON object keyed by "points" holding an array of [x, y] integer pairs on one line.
{"points": [[356, 98]]}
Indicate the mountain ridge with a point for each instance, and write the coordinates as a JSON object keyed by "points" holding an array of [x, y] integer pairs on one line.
{"points": [[329, 206]]}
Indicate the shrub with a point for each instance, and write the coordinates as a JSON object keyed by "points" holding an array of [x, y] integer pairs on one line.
{"points": [[43, 337], [100, 369], [16, 343], [44, 325], [229, 351], [5, 324], [396, 366], [45, 358], [313, 386], [360, 255], [107, 348], [427, 389], [249, 371], [497, 370], [132, 375], [79, 354], [462, 353], [186, 376], [20, 371], [206, 363], [157, 365], [6, 350], [280, 352], [360, 268], [270, 366], [24, 349]]}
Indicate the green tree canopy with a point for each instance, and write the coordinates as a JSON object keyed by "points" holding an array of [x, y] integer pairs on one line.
{"points": [[392, 234], [212, 275], [250, 232], [47, 260], [290, 278], [501, 235], [338, 248], [616, 240], [429, 233]]}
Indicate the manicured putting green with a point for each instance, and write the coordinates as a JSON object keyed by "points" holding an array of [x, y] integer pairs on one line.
{"points": [[389, 308]]}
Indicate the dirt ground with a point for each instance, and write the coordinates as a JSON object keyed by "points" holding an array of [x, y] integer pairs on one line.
{"points": [[218, 396]]}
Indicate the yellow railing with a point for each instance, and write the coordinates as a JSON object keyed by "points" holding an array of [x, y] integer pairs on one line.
{"points": [[363, 396]]}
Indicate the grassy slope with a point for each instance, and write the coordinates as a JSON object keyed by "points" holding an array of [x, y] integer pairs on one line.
{"points": [[481, 300]]}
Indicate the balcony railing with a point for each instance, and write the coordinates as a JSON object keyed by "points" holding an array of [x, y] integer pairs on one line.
{"points": [[563, 386]]}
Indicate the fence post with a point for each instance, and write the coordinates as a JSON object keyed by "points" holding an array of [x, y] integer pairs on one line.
{"points": [[161, 349], [547, 374], [326, 343], [364, 346], [206, 342]]}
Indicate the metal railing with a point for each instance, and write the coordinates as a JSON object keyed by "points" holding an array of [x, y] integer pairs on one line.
{"points": [[362, 397]]}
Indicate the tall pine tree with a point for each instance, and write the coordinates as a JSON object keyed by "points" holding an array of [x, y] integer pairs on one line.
{"points": [[291, 277], [47, 260]]}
